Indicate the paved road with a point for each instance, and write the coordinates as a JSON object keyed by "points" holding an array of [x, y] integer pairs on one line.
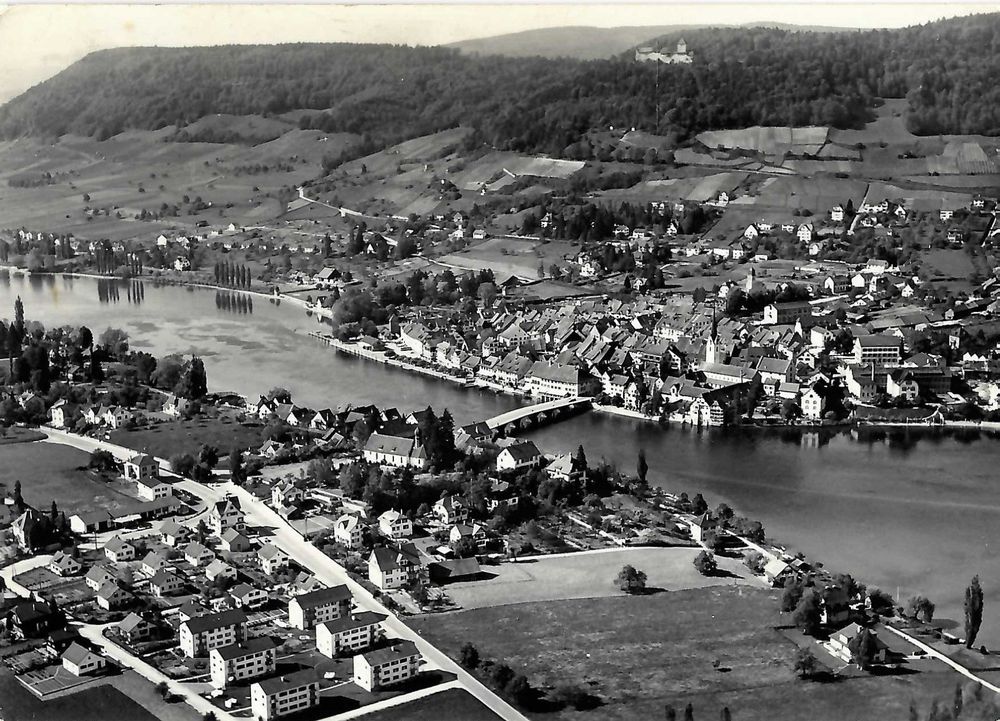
{"points": [[934, 653], [311, 558], [95, 634]]}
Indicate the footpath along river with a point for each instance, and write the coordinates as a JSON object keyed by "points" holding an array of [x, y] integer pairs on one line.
{"points": [[916, 510]]}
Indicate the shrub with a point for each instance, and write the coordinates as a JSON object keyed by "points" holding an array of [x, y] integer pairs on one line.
{"points": [[705, 563]]}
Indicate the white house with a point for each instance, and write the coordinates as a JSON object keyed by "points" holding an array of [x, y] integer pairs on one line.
{"points": [[395, 525], [348, 531], [386, 666], [81, 661], [352, 633], [518, 456]]}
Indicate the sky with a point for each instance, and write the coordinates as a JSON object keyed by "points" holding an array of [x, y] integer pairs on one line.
{"points": [[40, 40]]}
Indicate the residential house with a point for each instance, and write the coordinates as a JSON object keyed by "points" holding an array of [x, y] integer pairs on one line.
{"points": [[166, 582], [812, 404], [153, 488], [200, 634], [141, 466], [776, 571], [390, 567], [97, 576], [394, 524], [135, 629], [272, 559], [347, 530], [451, 509], [282, 695], [197, 554], [237, 662], [520, 455], [111, 596], [386, 667], [233, 541], [81, 661], [840, 644], [352, 633], [173, 533], [219, 569], [63, 564], [325, 604], [34, 619], [118, 551], [702, 526], [246, 596], [226, 514]]}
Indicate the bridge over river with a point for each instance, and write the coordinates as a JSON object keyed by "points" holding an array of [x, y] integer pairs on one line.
{"points": [[537, 414]]}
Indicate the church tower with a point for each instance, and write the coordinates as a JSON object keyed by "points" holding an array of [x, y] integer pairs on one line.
{"points": [[712, 344], [751, 279], [682, 47]]}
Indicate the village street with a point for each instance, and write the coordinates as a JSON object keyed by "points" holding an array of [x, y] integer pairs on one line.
{"points": [[265, 521]]}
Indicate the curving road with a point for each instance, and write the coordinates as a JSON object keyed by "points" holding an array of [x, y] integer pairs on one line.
{"points": [[312, 559]]}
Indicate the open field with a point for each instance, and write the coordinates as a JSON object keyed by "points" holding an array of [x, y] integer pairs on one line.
{"points": [[588, 575], [166, 439], [48, 471], [768, 139], [451, 704], [512, 256], [710, 647], [91, 704]]}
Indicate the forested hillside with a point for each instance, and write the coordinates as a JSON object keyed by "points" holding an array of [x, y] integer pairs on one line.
{"points": [[740, 77]]}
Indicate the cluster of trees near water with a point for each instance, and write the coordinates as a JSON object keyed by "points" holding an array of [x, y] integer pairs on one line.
{"points": [[740, 77]]}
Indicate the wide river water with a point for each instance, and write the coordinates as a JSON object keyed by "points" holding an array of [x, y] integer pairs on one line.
{"points": [[909, 511]]}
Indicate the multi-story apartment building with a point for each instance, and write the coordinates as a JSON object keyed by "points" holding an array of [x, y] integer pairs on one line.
{"points": [[253, 658], [349, 633], [199, 635], [319, 606], [386, 666], [283, 695]]}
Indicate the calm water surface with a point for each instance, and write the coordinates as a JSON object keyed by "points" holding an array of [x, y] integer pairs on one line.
{"points": [[914, 511]]}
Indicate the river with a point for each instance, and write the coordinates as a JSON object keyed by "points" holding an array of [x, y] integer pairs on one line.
{"points": [[916, 511]]}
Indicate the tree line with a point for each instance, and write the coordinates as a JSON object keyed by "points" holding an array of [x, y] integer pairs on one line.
{"points": [[740, 77]]}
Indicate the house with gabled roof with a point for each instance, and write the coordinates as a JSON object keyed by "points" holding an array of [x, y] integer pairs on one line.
{"points": [[390, 567], [63, 564], [166, 582], [272, 559], [82, 661]]}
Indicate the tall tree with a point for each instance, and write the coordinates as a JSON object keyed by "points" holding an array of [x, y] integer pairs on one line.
{"points": [[236, 470], [578, 463], [642, 467], [19, 316], [973, 611]]}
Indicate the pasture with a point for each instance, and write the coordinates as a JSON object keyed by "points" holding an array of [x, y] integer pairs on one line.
{"points": [[589, 575], [50, 471], [715, 647], [769, 140], [514, 256], [450, 704]]}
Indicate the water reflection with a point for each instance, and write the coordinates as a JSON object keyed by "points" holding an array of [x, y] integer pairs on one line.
{"points": [[234, 302]]}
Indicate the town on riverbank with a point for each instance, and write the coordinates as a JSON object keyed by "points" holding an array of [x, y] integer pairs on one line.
{"points": [[256, 558]]}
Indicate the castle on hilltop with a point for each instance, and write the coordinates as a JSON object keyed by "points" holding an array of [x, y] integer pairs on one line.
{"points": [[681, 55]]}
